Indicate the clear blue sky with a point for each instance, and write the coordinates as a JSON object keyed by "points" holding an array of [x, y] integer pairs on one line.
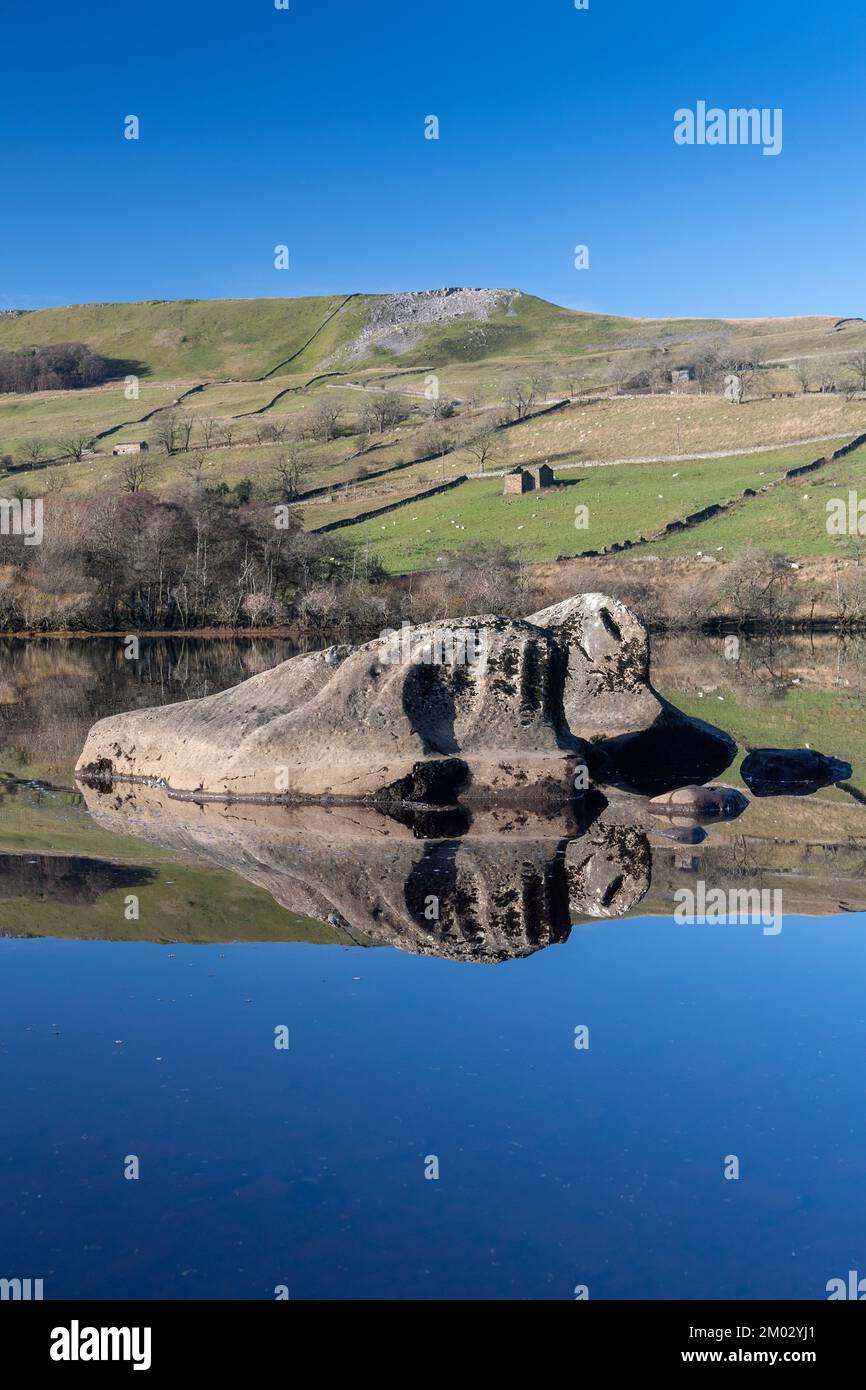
{"points": [[261, 126]]}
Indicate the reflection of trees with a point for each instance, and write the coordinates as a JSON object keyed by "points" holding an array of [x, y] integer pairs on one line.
{"points": [[52, 691], [767, 665]]}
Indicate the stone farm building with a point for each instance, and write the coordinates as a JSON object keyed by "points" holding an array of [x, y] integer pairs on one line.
{"points": [[521, 479], [132, 446], [681, 376]]}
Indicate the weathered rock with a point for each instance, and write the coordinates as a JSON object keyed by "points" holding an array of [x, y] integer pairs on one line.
{"points": [[791, 771], [637, 739], [365, 722], [483, 710]]}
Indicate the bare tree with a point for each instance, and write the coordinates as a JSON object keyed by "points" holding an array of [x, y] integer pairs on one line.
{"points": [[195, 468], [803, 375], [270, 431], [857, 364], [134, 472], [746, 370], [289, 468], [208, 427], [484, 443], [827, 381], [73, 445], [435, 439], [320, 421], [708, 369], [757, 585], [33, 451], [185, 426], [163, 431], [521, 393], [385, 410]]}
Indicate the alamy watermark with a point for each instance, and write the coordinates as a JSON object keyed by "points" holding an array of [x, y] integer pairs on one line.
{"points": [[739, 125], [21, 1290], [846, 517], [22, 517], [701, 905], [458, 646]]}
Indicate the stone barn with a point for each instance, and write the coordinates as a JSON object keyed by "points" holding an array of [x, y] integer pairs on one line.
{"points": [[681, 376], [132, 446], [517, 481], [543, 475]]}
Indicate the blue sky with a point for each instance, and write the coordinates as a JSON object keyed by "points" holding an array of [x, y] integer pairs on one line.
{"points": [[306, 127]]}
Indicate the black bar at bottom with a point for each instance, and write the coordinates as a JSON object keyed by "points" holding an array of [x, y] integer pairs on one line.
{"points": [[82, 1339]]}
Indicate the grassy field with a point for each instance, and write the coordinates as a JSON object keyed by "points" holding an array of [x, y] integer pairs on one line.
{"points": [[650, 426], [624, 503], [791, 518], [220, 346], [49, 415]]}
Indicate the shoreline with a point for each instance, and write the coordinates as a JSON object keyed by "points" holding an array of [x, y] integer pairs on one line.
{"points": [[712, 628]]}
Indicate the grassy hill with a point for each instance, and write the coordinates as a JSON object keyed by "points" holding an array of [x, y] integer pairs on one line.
{"points": [[177, 339], [252, 378], [241, 339]]}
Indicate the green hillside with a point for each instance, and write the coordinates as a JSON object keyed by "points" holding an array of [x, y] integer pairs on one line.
{"points": [[247, 338], [187, 338]]}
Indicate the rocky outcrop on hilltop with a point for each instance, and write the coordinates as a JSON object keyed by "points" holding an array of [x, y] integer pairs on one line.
{"points": [[396, 322]]}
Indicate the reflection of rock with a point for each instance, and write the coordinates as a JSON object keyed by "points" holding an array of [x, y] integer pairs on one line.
{"points": [[486, 710], [608, 870], [791, 771], [507, 887]]}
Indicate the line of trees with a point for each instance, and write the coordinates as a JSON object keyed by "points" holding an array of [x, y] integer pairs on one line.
{"points": [[57, 367]]}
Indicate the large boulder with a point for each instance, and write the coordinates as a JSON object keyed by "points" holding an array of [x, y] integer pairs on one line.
{"points": [[483, 710], [636, 739]]}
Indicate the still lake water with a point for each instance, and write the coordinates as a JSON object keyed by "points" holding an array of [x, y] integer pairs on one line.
{"points": [[306, 1167]]}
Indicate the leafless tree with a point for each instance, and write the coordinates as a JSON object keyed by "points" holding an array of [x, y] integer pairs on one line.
{"points": [[746, 370], [522, 392], [208, 428], [134, 472], [708, 370], [33, 451], [163, 432], [857, 364], [320, 421], [435, 439], [185, 427], [384, 410], [195, 468], [803, 375], [757, 585], [289, 468], [271, 431], [484, 443], [73, 445]]}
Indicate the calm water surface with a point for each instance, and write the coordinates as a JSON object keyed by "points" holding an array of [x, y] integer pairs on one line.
{"points": [[557, 1166]]}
